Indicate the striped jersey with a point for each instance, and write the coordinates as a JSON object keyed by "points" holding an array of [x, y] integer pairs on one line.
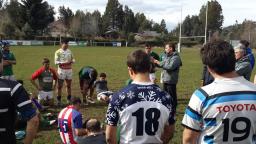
{"points": [[141, 110], [223, 112], [68, 120], [13, 97]]}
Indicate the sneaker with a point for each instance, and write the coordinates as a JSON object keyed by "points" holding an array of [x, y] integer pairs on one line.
{"points": [[90, 100], [69, 99], [52, 122]]}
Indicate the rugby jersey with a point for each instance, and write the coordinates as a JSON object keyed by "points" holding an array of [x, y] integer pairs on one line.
{"points": [[13, 97], [223, 112], [68, 120], [141, 110]]}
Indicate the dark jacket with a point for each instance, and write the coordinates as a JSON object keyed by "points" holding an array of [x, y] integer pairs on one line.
{"points": [[171, 66], [243, 67]]}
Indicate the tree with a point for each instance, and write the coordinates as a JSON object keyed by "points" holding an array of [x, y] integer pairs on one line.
{"points": [[15, 13], [97, 16], [1, 3], [156, 27], [215, 16], [197, 26], [37, 14], [187, 26], [142, 24], [65, 17], [129, 21], [163, 27], [113, 16]]}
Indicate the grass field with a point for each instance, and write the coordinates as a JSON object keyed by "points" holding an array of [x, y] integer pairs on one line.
{"points": [[112, 61]]}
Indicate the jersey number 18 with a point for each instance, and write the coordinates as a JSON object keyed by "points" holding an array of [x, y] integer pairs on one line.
{"points": [[151, 123]]}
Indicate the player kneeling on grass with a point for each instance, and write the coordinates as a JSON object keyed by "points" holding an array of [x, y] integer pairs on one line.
{"points": [[87, 77], [70, 123], [103, 94], [142, 109], [47, 78]]}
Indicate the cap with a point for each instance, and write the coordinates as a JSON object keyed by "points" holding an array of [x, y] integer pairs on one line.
{"points": [[239, 47], [5, 43]]}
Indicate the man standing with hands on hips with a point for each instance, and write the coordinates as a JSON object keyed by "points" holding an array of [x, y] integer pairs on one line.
{"points": [[64, 59]]}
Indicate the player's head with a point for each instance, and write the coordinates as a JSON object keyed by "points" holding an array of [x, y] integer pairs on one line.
{"points": [[148, 48], [76, 102], [64, 43], [219, 56], [93, 125], [138, 61], [46, 63], [6, 45], [240, 51], [103, 75], [245, 43], [169, 48]]}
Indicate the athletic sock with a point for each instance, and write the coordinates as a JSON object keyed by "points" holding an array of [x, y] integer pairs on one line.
{"points": [[59, 98], [69, 97]]}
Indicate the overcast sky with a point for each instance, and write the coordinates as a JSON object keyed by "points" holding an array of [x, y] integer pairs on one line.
{"points": [[170, 10]]}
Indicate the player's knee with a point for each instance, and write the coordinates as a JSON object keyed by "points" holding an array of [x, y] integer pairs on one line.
{"points": [[68, 86]]}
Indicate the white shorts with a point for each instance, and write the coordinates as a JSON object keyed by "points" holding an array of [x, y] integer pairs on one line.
{"points": [[65, 74], [11, 77], [42, 95], [106, 93], [152, 77]]}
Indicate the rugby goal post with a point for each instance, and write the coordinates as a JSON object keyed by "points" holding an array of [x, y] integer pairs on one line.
{"points": [[202, 36]]}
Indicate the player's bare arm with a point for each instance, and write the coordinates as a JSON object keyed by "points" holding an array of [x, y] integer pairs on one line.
{"points": [[111, 134], [168, 133], [190, 136], [32, 126]]}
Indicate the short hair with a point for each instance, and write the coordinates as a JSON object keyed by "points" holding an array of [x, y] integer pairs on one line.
{"points": [[64, 41], [148, 45], [76, 100], [219, 56], [172, 45], [245, 43], [45, 60], [20, 81], [139, 61], [103, 75], [93, 125]]}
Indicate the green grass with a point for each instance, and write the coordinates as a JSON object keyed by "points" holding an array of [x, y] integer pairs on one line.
{"points": [[112, 61]]}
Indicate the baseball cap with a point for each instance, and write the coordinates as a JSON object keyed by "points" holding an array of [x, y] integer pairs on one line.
{"points": [[239, 47]]}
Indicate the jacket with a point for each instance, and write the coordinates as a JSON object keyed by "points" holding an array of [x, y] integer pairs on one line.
{"points": [[170, 64], [243, 67]]}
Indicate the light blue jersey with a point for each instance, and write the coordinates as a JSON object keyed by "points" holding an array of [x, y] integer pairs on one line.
{"points": [[223, 112]]}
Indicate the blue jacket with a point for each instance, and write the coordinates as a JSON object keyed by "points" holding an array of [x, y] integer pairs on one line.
{"points": [[250, 56]]}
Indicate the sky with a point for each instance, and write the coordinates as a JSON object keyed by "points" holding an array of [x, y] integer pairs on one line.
{"points": [[169, 10]]}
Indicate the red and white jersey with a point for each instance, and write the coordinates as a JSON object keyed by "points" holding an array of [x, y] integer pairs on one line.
{"points": [[68, 120]]}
